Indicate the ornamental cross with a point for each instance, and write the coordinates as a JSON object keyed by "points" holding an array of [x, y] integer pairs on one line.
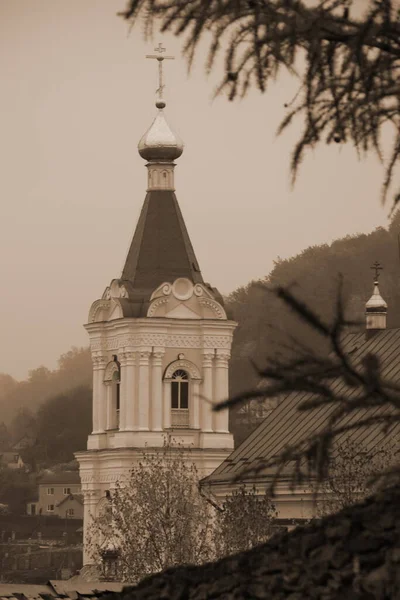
{"points": [[159, 49], [376, 267]]}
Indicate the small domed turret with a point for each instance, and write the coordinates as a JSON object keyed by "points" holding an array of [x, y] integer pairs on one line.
{"points": [[376, 307]]}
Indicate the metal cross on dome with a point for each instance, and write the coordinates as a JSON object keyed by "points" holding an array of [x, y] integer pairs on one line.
{"points": [[160, 57], [376, 267]]}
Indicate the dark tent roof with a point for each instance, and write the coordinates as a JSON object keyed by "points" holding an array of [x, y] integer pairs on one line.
{"points": [[161, 249], [285, 425]]}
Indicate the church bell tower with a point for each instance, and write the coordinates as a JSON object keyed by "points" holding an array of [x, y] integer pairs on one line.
{"points": [[160, 340]]}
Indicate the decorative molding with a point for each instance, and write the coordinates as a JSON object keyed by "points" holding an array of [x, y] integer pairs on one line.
{"points": [[128, 357], [157, 357], [214, 306], [111, 368], [163, 340], [99, 362], [182, 288], [198, 290], [186, 365], [223, 356], [207, 359], [217, 341], [155, 305], [107, 476], [96, 307], [144, 358], [183, 341]]}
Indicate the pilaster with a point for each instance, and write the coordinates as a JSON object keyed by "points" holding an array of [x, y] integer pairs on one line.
{"points": [[99, 401], [221, 418], [166, 404], [129, 396], [194, 412], [207, 399], [144, 389], [157, 390]]}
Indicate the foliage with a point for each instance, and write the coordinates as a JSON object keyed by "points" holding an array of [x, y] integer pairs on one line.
{"points": [[246, 520], [16, 488], [156, 518], [74, 370], [348, 68], [352, 474]]}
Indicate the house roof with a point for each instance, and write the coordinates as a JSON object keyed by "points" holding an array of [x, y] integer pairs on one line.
{"points": [[73, 588], [78, 497], [8, 457], [352, 554], [63, 477], [161, 249], [285, 425]]}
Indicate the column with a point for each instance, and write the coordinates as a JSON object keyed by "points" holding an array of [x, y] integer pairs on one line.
{"points": [[144, 390], [90, 500], [111, 424], [123, 391], [95, 408], [98, 408], [195, 400], [102, 399], [206, 401], [157, 391], [167, 404], [129, 397], [221, 418]]}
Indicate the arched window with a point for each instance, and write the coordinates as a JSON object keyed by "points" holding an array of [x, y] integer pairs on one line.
{"points": [[112, 379], [180, 399], [116, 383]]}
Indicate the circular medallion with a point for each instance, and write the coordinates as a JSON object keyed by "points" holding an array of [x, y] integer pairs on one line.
{"points": [[182, 288]]}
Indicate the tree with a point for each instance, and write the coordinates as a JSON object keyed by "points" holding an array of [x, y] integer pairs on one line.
{"points": [[352, 474], [247, 519], [59, 432], [346, 59], [16, 488], [155, 518]]}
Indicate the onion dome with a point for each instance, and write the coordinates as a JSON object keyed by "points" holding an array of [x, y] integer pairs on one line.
{"points": [[160, 143], [376, 303]]}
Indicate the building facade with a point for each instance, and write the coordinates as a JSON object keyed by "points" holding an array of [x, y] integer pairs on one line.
{"points": [[160, 341], [287, 425], [59, 494]]}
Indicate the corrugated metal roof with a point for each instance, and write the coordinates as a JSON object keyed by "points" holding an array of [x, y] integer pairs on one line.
{"points": [[286, 425], [71, 588]]}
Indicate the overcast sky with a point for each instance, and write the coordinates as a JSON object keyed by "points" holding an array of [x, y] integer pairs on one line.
{"points": [[76, 96]]}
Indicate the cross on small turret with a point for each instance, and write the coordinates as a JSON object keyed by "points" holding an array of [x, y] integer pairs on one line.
{"points": [[376, 267], [160, 57]]}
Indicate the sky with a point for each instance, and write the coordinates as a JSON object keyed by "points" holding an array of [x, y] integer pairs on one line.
{"points": [[77, 94]]}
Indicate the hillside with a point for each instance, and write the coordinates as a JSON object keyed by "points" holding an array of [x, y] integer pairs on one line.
{"points": [[265, 328]]}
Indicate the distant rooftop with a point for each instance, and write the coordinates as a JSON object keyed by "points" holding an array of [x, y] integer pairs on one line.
{"points": [[285, 424], [62, 477]]}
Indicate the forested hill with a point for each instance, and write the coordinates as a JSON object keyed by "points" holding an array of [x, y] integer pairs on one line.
{"points": [[266, 325], [74, 370]]}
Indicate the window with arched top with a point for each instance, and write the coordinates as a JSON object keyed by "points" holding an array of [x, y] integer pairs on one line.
{"points": [[116, 385], [112, 379], [180, 399]]}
